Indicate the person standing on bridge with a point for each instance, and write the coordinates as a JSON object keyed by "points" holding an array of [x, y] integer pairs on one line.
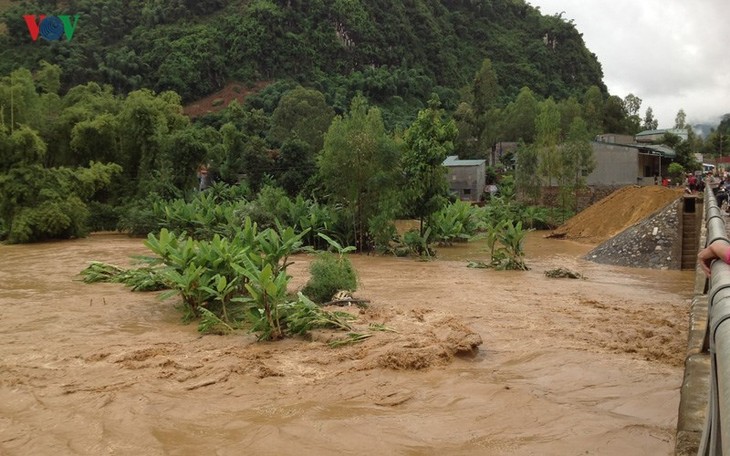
{"points": [[718, 250]]}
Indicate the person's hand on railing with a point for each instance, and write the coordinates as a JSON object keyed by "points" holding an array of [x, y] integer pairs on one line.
{"points": [[719, 249]]}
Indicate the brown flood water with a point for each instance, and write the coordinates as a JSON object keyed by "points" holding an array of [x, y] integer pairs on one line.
{"points": [[566, 367]]}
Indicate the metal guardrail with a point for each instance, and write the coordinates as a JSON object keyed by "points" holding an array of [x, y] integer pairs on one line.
{"points": [[715, 439]]}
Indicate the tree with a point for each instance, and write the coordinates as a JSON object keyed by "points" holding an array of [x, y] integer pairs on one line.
{"points": [[49, 203], [96, 139], [146, 119], [615, 119], [467, 143], [676, 171], [48, 78], [717, 141], [547, 125], [724, 126], [225, 158], [19, 100], [23, 147], [632, 104], [485, 88], [679, 121], [520, 117], [593, 110], [301, 114], [485, 95], [257, 161], [427, 143], [358, 165], [191, 63], [682, 148], [576, 162], [295, 165], [569, 110], [527, 178], [83, 104], [183, 151], [650, 123]]}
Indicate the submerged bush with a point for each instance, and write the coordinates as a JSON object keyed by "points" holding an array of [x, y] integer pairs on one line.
{"points": [[329, 274]]}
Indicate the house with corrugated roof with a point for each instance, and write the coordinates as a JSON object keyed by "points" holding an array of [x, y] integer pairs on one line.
{"points": [[466, 177]]}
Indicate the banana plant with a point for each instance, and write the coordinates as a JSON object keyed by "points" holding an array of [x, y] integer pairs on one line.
{"points": [[512, 236], [278, 245], [189, 284], [248, 233], [303, 315], [223, 291], [341, 250], [162, 245], [266, 292], [491, 236]]}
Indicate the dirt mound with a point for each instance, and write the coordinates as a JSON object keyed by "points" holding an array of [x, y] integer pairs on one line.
{"points": [[618, 211], [221, 99]]}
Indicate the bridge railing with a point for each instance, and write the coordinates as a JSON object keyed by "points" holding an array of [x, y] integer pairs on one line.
{"points": [[715, 439]]}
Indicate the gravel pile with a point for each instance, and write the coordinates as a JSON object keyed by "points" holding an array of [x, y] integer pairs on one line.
{"points": [[653, 243]]}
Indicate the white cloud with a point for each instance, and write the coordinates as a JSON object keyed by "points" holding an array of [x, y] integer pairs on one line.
{"points": [[669, 53]]}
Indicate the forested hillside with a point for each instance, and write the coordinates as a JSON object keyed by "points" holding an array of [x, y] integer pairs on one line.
{"points": [[395, 52]]}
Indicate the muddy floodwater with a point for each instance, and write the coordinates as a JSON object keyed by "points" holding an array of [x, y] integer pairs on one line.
{"points": [[565, 367]]}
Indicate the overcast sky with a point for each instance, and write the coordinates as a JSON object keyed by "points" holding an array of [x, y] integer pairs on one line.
{"points": [[673, 54]]}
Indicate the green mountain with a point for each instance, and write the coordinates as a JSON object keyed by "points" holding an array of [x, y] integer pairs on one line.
{"points": [[395, 52]]}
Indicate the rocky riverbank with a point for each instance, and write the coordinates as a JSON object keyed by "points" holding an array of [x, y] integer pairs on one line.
{"points": [[634, 226], [653, 243]]}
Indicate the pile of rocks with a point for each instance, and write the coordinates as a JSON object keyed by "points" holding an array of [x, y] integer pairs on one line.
{"points": [[654, 243]]}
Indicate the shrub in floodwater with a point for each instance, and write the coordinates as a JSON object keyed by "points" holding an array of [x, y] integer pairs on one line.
{"points": [[330, 274]]}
